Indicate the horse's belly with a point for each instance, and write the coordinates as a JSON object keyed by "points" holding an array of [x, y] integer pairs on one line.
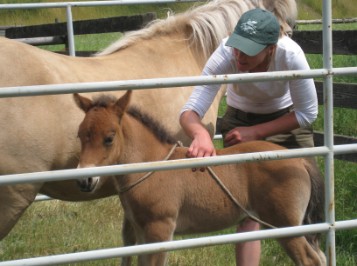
{"points": [[197, 221]]}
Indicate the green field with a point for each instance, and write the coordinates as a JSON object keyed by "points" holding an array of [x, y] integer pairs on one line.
{"points": [[57, 227]]}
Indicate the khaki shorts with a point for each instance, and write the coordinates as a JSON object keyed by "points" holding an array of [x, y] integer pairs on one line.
{"points": [[298, 138]]}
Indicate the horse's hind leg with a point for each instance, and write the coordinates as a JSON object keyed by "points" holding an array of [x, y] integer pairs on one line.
{"points": [[302, 253], [129, 239], [14, 200]]}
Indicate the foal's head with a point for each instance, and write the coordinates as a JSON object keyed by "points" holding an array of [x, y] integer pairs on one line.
{"points": [[100, 132]]}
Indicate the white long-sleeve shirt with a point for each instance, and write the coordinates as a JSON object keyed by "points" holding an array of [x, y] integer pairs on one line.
{"points": [[260, 97]]}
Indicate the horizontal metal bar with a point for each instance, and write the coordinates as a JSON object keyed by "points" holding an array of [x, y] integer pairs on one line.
{"points": [[166, 82], [89, 3], [154, 83], [319, 21], [122, 169], [41, 197], [169, 246], [338, 149], [217, 136], [345, 148], [69, 174], [343, 225], [42, 40]]}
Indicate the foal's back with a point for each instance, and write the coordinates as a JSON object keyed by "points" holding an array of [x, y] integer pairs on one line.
{"points": [[258, 186]]}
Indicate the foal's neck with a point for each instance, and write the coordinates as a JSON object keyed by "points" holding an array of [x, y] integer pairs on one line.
{"points": [[141, 144]]}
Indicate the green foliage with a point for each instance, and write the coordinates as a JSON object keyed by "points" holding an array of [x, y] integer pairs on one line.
{"points": [[17, 17], [312, 9], [55, 227], [308, 9]]}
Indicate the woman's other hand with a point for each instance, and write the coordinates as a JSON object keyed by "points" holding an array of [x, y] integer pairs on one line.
{"points": [[240, 134]]}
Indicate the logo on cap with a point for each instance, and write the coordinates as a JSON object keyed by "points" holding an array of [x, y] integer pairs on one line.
{"points": [[249, 27]]}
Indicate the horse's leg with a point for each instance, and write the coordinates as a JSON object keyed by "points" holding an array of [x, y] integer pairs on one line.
{"points": [[157, 231], [300, 250], [284, 204], [302, 253], [128, 236], [14, 200]]}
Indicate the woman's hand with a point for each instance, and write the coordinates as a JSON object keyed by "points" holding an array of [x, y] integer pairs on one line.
{"points": [[280, 125], [241, 134], [201, 146]]}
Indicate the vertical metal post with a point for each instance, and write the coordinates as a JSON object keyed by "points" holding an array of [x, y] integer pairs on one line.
{"points": [[328, 128], [72, 51]]}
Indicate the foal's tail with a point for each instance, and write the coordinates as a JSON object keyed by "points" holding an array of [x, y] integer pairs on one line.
{"points": [[315, 209]]}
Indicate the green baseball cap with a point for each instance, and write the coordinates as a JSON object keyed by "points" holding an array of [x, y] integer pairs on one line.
{"points": [[255, 29]]}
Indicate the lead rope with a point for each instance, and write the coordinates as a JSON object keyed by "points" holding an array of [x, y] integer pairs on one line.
{"points": [[124, 189], [226, 190], [215, 177]]}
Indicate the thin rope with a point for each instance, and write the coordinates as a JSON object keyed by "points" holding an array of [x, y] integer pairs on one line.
{"points": [[125, 189], [226, 190], [215, 177]]}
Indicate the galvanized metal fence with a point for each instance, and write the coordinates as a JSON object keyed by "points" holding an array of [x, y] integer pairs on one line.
{"points": [[328, 150]]}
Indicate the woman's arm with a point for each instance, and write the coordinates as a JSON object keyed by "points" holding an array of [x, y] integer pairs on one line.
{"points": [[303, 92], [202, 145], [201, 99], [220, 62]]}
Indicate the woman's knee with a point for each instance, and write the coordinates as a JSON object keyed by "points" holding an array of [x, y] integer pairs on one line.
{"points": [[248, 225]]}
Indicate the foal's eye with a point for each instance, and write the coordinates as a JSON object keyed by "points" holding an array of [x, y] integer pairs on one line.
{"points": [[108, 140]]}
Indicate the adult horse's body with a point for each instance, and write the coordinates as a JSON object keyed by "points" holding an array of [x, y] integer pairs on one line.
{"points": [[282, 193], [36, 136]]}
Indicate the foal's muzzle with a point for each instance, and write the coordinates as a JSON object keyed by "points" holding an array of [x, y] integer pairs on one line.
{"points": [[88, 184]]}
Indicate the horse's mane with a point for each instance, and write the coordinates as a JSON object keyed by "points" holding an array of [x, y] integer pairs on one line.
{"points": [[155, 127], [105, 100], [208, 24]]}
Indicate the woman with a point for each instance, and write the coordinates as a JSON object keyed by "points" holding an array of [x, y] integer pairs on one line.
{"points": [[278, 111]]}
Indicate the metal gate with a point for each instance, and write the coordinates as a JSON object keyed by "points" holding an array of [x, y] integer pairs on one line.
{"points": [[328, 150]]}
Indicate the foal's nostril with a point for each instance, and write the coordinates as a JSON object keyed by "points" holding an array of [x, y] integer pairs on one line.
{"points": [[85, 185]]}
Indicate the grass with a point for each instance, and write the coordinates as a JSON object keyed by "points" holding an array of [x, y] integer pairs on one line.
{"points": [[312, 9], [57, 227], [21, 17]]}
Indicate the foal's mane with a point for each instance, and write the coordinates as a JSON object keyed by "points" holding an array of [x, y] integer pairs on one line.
{"points": [[105, 100], [208, 24], [155, 126]]}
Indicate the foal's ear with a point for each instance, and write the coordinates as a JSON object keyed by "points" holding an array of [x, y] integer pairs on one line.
{"points": [[82, 102], [123, 102]]}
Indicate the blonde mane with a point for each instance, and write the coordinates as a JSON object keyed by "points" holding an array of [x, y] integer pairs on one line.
{"points": [[208, 24]]}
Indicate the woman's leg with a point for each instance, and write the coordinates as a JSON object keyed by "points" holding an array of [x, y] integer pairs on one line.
{"points": [[248, 253]]}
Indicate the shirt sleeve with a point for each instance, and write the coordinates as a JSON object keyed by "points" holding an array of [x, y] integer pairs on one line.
{"points": [[220, 62], [303, 93]]}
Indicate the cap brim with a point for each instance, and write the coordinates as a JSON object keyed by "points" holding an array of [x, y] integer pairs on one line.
{"points": [[245, 45]]}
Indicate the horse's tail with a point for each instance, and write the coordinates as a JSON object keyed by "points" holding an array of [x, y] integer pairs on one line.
{"points": [[315, 209]]}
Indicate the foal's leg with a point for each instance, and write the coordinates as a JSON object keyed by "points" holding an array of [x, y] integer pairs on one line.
{"points": [[157, 231], [283, 205], [298, 248], [128, 236], [302, 253]]}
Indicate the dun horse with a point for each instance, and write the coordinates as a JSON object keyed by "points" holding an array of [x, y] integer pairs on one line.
{"points": [[281, 193], [37, 133]]}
